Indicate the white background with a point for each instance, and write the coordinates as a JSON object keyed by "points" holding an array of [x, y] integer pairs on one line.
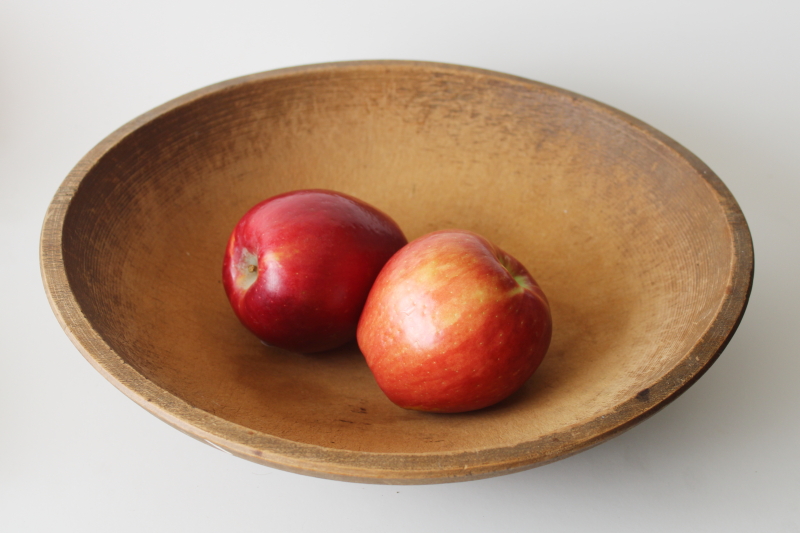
{"points": [[722, 78]]}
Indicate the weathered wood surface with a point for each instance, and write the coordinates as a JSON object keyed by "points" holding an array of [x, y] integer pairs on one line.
{"points": [[643, 252]]}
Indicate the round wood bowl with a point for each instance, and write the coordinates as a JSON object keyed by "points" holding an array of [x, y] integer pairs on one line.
{"points": [[643, 252]]}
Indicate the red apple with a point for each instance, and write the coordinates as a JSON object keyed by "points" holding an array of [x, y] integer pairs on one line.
{"points": [[299, 266], [453, 324]]}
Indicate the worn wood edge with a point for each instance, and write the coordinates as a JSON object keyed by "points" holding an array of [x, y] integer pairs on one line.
{"points": [[378, 467]]}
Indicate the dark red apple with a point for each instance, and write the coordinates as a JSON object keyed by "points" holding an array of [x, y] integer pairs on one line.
{"points": [[299, 266], [453, 324]]}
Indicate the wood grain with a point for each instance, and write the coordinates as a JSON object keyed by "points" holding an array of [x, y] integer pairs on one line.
{"points": [[643, 252]]}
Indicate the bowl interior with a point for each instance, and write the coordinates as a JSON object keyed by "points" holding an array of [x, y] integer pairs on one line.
{"points": [[628, 237]]}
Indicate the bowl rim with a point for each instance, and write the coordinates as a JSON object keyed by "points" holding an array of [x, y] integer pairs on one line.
{"points": [[391, 468]]}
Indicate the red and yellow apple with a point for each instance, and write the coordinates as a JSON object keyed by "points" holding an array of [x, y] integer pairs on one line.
{"points": [[299, 266], [453, 324]]}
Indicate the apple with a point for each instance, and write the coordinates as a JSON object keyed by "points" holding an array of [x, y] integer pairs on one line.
{"points": [[453, 324], [299, 266]]}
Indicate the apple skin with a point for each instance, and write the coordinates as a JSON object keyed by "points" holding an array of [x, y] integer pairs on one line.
{"points": [[453, 324], [299, 266]]}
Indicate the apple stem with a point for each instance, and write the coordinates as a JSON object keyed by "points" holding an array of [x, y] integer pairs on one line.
{"points": [[252, 268]]}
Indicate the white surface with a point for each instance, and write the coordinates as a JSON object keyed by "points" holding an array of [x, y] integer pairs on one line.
{"points": [[721, 78]]}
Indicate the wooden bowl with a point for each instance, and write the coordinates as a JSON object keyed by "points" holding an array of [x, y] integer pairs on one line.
{"points": [[643, 252]]}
